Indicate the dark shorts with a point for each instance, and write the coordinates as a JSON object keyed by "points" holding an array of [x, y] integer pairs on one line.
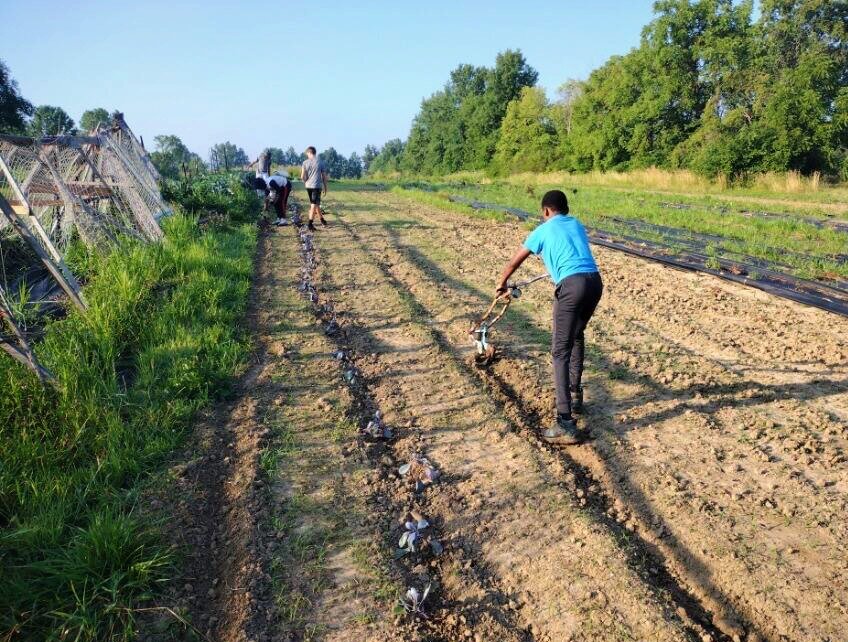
{"points": [[314, 195]]}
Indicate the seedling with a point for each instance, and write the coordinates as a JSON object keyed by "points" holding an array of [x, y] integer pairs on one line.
{"points": [[412, 534], [421, 471], [413, 601], [376, 429]]}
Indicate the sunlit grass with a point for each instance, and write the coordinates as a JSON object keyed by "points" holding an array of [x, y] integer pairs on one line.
{"points": [[779, 240]]}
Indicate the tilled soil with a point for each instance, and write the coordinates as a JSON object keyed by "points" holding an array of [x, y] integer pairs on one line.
{"points": [[710, 505], [719, 414]]}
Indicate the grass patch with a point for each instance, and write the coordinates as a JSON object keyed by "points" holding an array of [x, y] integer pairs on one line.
{"points": [[440, 200], [74, 556]]}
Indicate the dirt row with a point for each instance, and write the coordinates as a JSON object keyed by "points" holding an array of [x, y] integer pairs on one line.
{"points": [[720, 413], [285, 518], [214, 505]]}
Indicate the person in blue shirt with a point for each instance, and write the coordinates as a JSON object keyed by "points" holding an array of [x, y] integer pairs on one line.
{"points": [[562, 244]]}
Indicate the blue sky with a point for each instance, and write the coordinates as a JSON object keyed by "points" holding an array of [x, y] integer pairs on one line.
{"points": [[277, 74]]}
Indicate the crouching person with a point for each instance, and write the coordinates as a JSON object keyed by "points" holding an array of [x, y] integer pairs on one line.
{"points": [[276, 190], [562, 244]]}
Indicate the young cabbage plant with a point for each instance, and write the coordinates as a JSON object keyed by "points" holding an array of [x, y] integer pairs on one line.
{"points": [[413, 601]]}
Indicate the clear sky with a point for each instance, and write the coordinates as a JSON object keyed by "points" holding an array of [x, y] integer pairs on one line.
{"points": [[283, 73]]}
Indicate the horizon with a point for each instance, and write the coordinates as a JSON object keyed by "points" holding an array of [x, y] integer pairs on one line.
{"points": [[204, 85]]}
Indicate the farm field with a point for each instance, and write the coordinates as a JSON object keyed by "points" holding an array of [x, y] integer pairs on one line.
{"points": [[295, 354], [709, 506], [806, 238]]}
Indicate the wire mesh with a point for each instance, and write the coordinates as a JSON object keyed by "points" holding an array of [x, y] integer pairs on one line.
{"points": [[64, 190]]}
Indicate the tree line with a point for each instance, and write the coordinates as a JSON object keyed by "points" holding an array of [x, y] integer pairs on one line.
{"points": [[21, 117], [709, 88]]}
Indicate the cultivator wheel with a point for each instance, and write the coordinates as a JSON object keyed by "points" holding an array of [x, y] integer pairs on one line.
{"points": [[485, 358]]}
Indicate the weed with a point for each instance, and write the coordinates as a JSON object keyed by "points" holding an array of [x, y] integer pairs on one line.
{"points": [[617, 373]]}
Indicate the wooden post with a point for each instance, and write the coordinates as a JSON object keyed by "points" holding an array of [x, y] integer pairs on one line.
{"points": [[22, 352], [64, 277]]}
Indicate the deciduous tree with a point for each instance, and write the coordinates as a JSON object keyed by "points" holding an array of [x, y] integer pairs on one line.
{"points": [[48, 120], [14, 108], [93, 117]]}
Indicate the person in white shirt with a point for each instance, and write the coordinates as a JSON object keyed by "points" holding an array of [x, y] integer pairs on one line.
{"points": [[275, 189]]}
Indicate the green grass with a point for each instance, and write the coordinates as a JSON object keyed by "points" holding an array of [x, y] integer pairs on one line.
{"points": [[159, 340], [441, 201], [769, 239]]}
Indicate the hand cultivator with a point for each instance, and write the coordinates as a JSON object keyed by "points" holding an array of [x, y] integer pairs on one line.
{"points": [[482, 327]]}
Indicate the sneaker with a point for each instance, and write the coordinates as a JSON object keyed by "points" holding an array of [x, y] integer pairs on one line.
{"points": [[577, 400], [282, 222], [564, 431], [323, 221], [311, 226]]}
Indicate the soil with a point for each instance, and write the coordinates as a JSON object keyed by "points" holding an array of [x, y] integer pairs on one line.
{"points": [[710, 504]]}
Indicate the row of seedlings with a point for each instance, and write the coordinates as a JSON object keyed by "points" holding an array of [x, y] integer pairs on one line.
{"points": [[417, 533]]}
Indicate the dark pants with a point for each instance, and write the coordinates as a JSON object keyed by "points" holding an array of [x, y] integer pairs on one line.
{"points": [[575, 300], [281, 205]]}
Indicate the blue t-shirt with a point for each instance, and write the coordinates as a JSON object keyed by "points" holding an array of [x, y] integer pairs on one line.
{"points": [[563, 245]]}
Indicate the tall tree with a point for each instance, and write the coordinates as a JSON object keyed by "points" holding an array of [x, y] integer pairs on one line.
{"points": [[435, 144], [353, 168], [482, 113], [457, 127], [14, 108], [368, 155], [389, 159], [803, 122], [277, 155], [173, 159], [293, 157], [335, 163], [528, 138], [226, 156], [93, 117], [50, 121], [568, 93]]}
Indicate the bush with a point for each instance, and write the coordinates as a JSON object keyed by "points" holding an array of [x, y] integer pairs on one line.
{"points": [[215, 196]]}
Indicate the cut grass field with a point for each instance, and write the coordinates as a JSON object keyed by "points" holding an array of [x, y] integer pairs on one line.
{"points": [[160, 339], [808, 249]]}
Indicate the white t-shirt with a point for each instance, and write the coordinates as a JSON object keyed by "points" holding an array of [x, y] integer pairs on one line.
{"points": [[278, 180]]}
